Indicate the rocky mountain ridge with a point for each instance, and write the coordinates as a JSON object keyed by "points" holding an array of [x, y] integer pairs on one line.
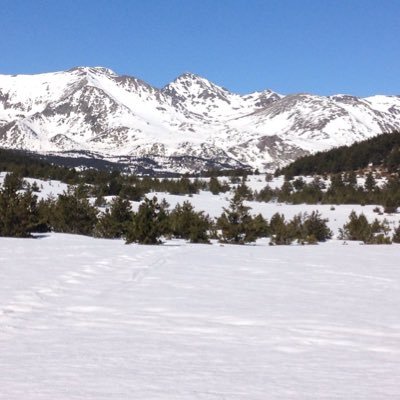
{"points": [[189, 124]]}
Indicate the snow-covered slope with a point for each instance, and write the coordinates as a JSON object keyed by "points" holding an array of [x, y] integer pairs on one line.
{"points": [[92, 109]]}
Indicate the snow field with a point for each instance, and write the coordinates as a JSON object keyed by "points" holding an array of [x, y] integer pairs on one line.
{"points": [[84, 318], [92, 319]]}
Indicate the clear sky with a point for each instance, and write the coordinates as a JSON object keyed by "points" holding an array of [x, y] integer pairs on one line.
{"points": [[317, 46]]}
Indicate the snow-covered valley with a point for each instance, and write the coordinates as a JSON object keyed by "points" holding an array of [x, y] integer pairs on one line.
{"points": [[84, 318], [89, 319]]}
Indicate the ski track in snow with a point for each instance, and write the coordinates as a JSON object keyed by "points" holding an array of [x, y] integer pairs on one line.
{"points": [[84, 318], [67, 283]]}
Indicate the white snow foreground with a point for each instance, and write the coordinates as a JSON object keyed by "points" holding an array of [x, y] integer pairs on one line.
{"points": [[84, 318]]}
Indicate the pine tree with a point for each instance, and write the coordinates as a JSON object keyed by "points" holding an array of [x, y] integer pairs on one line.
{"points": [[393, 159], [42, 215], [260, 226], [316, 226], [35, 187], [351, 179], [266, 194], [396, 235], [285, 191], [390, 204], [132, 192], [186, 223], [12, 184], [149, 223], [298, 183], [18, 211], [236, 223], [279, 231], [306, 229], [370, 183], [243, 192], [358, 228], [214, 185], [114, 222], [336, 182], [72, 213]]}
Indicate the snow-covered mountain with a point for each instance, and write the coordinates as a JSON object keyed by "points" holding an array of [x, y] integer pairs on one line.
{"points": [[189, 124]]}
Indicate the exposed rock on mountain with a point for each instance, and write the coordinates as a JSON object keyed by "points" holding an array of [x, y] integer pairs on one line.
{"points": [[93, 110]]}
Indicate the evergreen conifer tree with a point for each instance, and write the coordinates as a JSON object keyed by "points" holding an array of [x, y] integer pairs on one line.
{"points": [[236, 223], [186, 223], [279, 230], [390, 204], [351, 179], [149, 223], [316, 226], [358, 228], [214, 185], [72, 213], [114, 222], [266, 194], [243, 192], [18, 211], [260, 226], [370, 183], [396, 235], [304, 228]]}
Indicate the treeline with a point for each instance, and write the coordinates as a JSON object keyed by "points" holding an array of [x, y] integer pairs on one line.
{"points": [[25, 164], [335, 189], [340, 189], [21, 214], [99, 183], [382, 150], [34, 165]]}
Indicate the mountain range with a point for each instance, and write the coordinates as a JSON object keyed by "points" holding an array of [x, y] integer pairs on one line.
{"points": [[188, 125]]}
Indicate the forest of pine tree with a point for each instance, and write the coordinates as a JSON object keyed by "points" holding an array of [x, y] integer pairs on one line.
{"points": [[382, 150]]}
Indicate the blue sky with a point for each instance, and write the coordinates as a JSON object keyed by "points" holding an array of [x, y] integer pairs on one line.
{"points": [[317, 46]]}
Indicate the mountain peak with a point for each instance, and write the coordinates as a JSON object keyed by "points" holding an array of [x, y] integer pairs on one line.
{"points": [[95, 70], [189, 85], [189, 79], [188, 75], [94, 108]]}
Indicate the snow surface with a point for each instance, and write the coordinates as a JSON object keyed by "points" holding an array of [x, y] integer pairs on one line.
{"points": [[91, 319], [84, 318]]}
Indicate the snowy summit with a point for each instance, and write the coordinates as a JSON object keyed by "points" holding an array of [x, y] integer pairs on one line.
{"points": [[93, 109]]}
